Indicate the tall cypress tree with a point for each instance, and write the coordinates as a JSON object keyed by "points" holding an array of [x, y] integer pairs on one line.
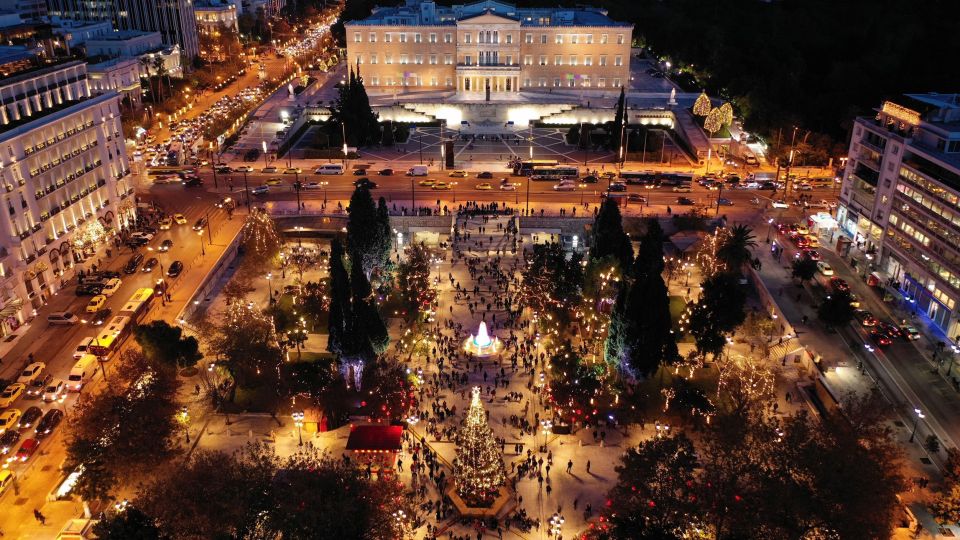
{"points": [[368, 325], [340, 312], [619, 119], [384, 233], [362, 230], [609, 239]]}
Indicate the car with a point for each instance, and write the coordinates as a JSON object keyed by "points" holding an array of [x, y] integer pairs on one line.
{"points": [[685, 201], [100, 316], [804, 187], [35, 388], [360, 172], [780, 204], [30, 417], [56, 390], [441, 186], [226, 203], [485, 175], [244, 168], [484, 186], [313, 185], [31, 372], [565, 186], [839, 284], [427, 182], [166, 245], [9, 419], [27, 448], [142, 235], [273, 182], [151, 263], [458, 174], [824, 268], [590, 179], [96, 303], [260, 190], [62, 317], [200, 224], [507, 186], [49, 422], [365, 182], [865, 317], [724, 202], [292, 170], [269, 170], [386, 172], [193, 181], [854, 300], [8, 440], [811, 254], [880, 338], [617, 186], [89, 289], [909, 332], [223, 169], [11, 393], [165, 224], [888, 329], [176, 267], [180, 219], [683, 189], [133, 264], [637, 198], [111, 287]]}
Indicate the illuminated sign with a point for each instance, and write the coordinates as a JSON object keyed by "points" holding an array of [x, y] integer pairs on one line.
{"points": [[900, 113]]}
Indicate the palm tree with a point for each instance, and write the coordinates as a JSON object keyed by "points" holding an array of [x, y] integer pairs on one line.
{"points": [[161, 68], [735, 251], [146, 63]]}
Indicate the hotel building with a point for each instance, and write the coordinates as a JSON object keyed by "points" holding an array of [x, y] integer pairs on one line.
{"points": [[900, 201], [64, 172], [489, 44]]}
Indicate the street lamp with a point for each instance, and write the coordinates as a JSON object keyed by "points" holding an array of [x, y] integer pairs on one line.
{"points": [[916, 423], [547, 426], [298, 421], [184, 418], [324, 184], [264, 145], [556, 525], [202, 251], [270, 288]]}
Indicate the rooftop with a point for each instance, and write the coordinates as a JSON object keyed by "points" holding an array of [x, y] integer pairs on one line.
{"points": [[39, 70], [426, 12], [46, 116], [124, 35]]}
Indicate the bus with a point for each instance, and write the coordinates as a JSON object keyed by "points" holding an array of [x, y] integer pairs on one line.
{"points": [[112, 336], [554, 173], [674, 179], [175, 154], [138, 304], [526, 167], [646, 178]]}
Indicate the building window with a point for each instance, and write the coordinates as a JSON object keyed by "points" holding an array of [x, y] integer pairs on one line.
{"points": [[404, 59], [387, 58], [433, 59], [529, 38], [589, 39], [543, 60], [559, 39], [573, 39], [585, 81], [603, 60], [468, 60], [558, 60], [375, 81], [403, 37], [356, 37], [543, 39], [466, 37], [616, 83], [528, 60], [602, 83], [433, 81], [573, 59], [526, 82], [953, 147], [556, 83], [387, 37], [588, 60], [509, 39], [416, 38], [603, 39], [448, 38], [449, 81], [509, 59], [618, 60], [373, 37], [571, 81], [619, 39], [373, 59], [448, 59], [418, 59], [359, 58], [542, 82]]}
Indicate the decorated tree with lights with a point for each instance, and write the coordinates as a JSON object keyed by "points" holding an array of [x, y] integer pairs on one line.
{"points": [[553, 283], [702, 106], [713, 122], [726, 114], [478, 469], [413, 281], [340, 312], [246, 341], [90, 235], [260, 238]]}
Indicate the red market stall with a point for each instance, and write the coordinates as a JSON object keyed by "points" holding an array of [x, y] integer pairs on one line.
{"points": [[375, 445]]}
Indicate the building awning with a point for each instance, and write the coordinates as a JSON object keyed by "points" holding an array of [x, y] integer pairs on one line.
{"points": [[375, 438], [824, 220], [11, 308]]}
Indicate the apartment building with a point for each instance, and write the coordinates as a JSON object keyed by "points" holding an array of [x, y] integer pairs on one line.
{"points": [[64, 173], [489, 45], [900, 200]]}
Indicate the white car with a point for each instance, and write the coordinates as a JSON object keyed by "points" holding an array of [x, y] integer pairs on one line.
{"points": [[55, 391], [31, 372], [82, 347], [112, 286], [507, 186], [825, 268], [565, 186], [780, 204], [682, 189], [244, 168]]}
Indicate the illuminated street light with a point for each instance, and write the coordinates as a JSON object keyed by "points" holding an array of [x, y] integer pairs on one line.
{"points": [[298, 421], [916, 423]]}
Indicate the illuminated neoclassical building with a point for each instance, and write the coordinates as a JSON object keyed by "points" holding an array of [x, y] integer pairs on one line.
{"points": [[489, 44]]}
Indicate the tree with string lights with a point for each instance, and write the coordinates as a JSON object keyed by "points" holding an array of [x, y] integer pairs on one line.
{"points": [[713, 122], [726, 114], [701, 107], [478, 470], [260, 238], [246, 341]]}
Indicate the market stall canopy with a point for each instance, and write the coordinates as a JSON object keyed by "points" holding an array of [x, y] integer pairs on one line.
{"points": [[375, 438], [683, 241]]}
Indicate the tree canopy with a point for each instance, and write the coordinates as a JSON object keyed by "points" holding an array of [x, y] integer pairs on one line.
{"points": [[609, 238], [166, 344]]}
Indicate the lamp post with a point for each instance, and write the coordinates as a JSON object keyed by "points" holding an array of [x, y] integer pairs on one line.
{"points": [[246, 189], [264, 145], [298, 421], [202, 251], [297, 186], [184, 418], [270, 288], [916, 423], [324, 184], [547, 425]]}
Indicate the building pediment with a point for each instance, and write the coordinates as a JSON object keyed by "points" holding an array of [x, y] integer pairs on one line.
{"points": [[486, 18]]}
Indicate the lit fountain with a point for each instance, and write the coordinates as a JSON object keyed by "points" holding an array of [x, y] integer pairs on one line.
{"points": [[482, 344]]}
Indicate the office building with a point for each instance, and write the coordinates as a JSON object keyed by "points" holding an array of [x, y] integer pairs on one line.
{"points": [[137, 44], [489, 44], [29, 10], [900, 202], [121, 75], [211, 16], [64, 172]]}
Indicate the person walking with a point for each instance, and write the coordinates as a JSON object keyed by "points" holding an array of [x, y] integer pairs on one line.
{"points": [[569, 466]]}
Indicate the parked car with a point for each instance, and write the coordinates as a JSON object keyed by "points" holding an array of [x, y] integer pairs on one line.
{"points": [[30, 417], [176, 267], [62, 317], [133, 264], [386, 172]]}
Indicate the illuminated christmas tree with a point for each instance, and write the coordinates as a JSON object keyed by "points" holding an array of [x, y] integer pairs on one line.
{"points": [[713, 122], [478, 469], [701, 107], [726, 113]]}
